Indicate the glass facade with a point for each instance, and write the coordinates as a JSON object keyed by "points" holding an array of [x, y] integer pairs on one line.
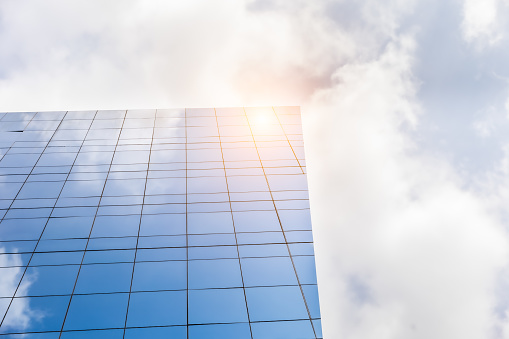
{"points": [[180, 223]]}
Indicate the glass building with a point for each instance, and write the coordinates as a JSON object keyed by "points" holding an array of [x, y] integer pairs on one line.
{"points": [[181, 223]]}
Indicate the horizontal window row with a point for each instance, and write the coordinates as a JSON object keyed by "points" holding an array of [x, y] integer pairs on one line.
{"points": [[136, 183], [169, 307], [147, 120], [209, 125], [43, 259], [47, 137], [166, 144], [119, 187], [154, 241], [68, 155], [70, 208], [169, 238], [190, 198], [153, 166], [266, 306], [170, 143], [259, 330], [159, 275], [156, 224], [143, 157], [289, 173], [18, 207], [144, 113], [160, 114], [166, 198], [294, 200], [168, 147]]}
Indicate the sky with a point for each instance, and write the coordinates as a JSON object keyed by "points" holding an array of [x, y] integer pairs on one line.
{"points": [[405, 107]]}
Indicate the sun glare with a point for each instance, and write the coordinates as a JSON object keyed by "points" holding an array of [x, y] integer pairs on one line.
{"points": [[261, 118]]}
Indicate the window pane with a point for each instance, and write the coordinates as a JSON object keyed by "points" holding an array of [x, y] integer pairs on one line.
{"points": [[99, 334], [174, 332], [157, 309], [268, 271], [41, 280], [100, 278], [220, 331], [283, 329], [218, 273], [96, 311], [153, 276], [53, 308], [275, 303], [217, 306]]}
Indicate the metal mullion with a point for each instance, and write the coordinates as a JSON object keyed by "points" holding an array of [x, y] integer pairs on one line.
{"points": [[187, 233], [47, 219], [12, 144], [92, 227], [234, 230], [139, 225], [281, 225], [43, 129], [286, 136]]}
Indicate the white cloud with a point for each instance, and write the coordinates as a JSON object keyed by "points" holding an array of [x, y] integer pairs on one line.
{"points": [[426, 251], [481, 21], [158, 54]]}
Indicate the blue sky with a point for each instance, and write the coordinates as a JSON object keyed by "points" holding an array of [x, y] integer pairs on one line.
{"points": [[405, 106]]}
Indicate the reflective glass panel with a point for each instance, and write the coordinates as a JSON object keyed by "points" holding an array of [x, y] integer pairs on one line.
{"points": [[168, 223]]}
